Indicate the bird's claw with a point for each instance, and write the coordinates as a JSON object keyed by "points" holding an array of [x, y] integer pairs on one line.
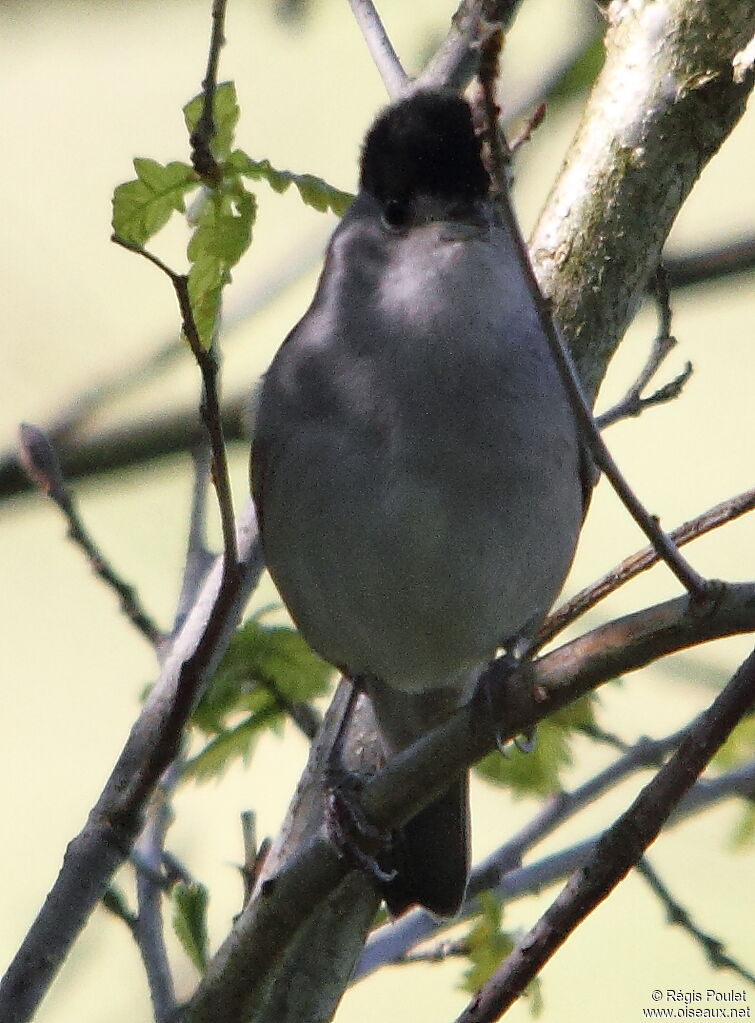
{"points": [[354, 836]]}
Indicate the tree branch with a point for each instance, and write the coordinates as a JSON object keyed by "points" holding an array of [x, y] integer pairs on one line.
{"points": [[104, 843], [391, 942], [202, 157], [619, 848], [633, 404], [381, 50], [731, 258], [199, 559], [713, 948], [454, 64], [42, 466], [148, 926], [412, 778], [636, 156], [690, 579], [635, 564], [206, 359]]}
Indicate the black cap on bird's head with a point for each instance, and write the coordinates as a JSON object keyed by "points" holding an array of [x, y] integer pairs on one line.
{"points": [[424, 145]]}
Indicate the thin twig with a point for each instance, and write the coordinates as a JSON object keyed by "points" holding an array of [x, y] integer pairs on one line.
{"points": [[391, 942], [210, 405], [531, 123], [565, 805], [619, 848], [202, 158], [206, 356], [103, 844], [414, 776], [254, 854], [629, 568], [455, 62], [199, 559], [381, 50], [698, 588], [713, 948], [734, 257], [497, 151], [40, 461], [632, 404], [150, 884], [491, 872]]}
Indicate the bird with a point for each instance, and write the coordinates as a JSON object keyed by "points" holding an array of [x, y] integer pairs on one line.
{"points": [[416, 466]]}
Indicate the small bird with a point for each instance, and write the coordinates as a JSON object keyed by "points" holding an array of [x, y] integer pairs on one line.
{"points": [[416, 467]]}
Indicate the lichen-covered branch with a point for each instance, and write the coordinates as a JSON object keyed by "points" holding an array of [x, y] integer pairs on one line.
{"points": [[665, 101]]}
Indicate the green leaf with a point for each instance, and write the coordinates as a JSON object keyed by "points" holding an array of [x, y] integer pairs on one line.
{"points": [[143, 206], [263, 669], [486, 942], [224, 227], [190, 921], [313, 190], [274, 658], [228, 696], [539, 772], [222, 235], [229, 745], [205, 283], [115, 902], [225, 116], [487, 946], [278, 657]]}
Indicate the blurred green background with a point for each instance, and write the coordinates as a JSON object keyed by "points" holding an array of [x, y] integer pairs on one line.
{"points": [[86, 87]]}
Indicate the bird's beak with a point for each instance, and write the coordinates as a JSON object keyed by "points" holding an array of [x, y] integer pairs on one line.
{"points": [[465, 222], [458, 231]]}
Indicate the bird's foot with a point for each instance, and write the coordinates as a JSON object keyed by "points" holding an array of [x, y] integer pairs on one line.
{"points": [[355, 837], [491, 689]]}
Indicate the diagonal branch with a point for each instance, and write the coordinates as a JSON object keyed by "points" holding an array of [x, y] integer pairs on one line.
{"points": [[210, 405], [392, 941], [148, 925], [690, 268], [381, 49], [635, 564], [712, 947], [104, 842], [414, 777], [41, 464], [202, 156], [618, 850], [634, 160], [690, 579], [633, 403], [455, 62]]}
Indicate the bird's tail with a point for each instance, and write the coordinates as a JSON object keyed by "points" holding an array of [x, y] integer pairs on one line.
{"points": [[431, 856], [430, 853]]}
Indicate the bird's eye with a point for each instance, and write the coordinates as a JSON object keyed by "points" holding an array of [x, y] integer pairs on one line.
{"points": [[396, 214]]}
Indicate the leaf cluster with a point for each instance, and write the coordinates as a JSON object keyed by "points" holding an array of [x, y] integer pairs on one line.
{"points": [[223, 212], [265, 671]]}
